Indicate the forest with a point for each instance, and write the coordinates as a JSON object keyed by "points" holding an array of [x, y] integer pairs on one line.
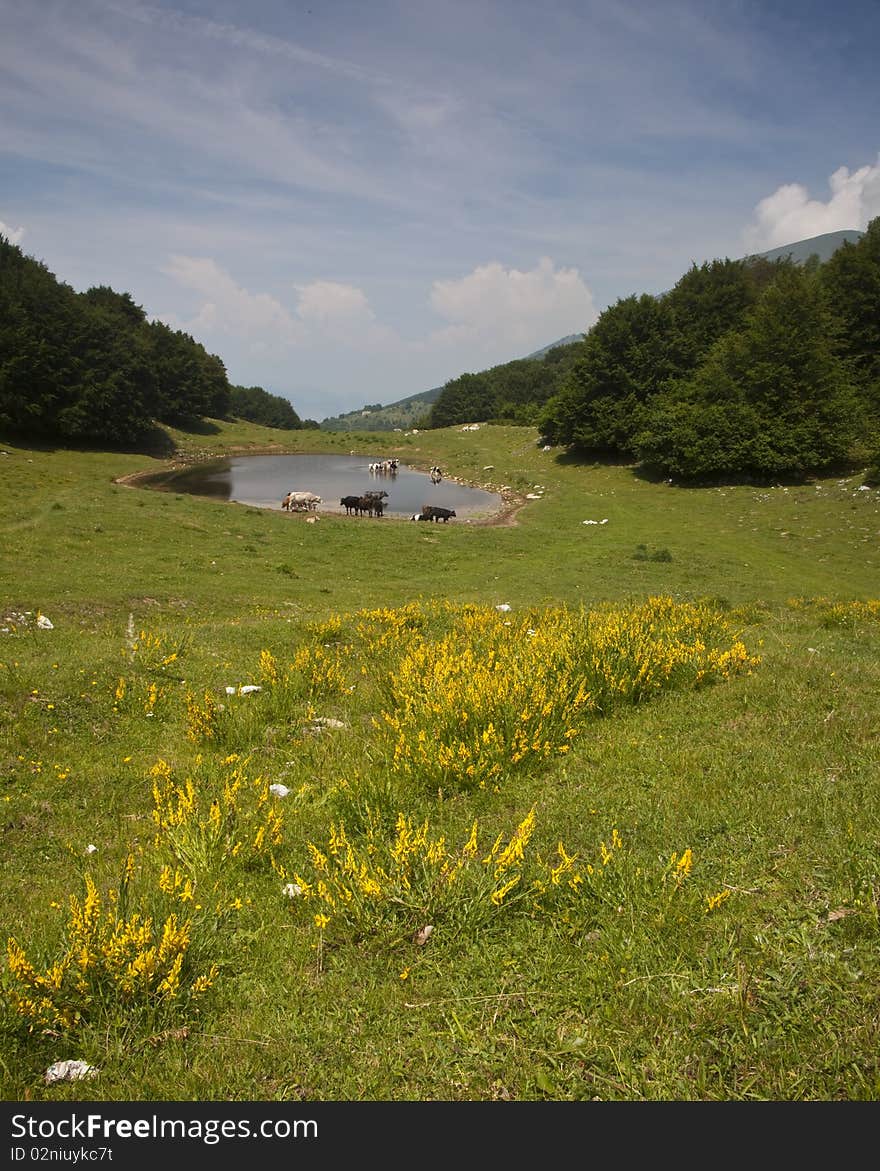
{"points": [[90, 367], [745, 367]]}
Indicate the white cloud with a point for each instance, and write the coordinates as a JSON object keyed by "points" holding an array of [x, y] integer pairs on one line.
{"points": [[500, 306], [13, 235], [340, 313], [323, 303], [789, 215], [232, 309]]}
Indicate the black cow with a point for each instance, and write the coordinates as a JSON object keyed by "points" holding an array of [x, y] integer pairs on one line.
{"points": [[371, 505], [435, 513], [351, 504]]}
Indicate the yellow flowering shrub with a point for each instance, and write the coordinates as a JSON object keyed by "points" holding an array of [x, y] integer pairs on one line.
{"points": [[395, 885], [207, 821], [112, 960], [491, 694]]}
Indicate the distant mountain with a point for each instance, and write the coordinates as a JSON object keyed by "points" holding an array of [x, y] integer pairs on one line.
{"points": [[407, 412], [823, 247], [563, 341]]}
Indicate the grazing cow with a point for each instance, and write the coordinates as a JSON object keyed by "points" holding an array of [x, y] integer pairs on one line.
{"points": [[351, 504], [435, 513]]}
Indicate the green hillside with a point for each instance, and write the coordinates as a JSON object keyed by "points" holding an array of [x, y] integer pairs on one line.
{"points": [[402, 415]]}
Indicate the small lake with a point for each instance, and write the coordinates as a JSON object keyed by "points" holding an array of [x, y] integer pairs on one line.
{"points": [[262, 481]]}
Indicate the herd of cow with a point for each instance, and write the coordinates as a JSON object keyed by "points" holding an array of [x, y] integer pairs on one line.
{"points": [[370, 504]]}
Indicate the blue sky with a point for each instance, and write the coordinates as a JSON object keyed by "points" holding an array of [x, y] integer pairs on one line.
{"points": [[352, 202]]}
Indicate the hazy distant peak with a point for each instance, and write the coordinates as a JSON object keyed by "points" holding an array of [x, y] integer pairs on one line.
{"points": [[822, 246]]}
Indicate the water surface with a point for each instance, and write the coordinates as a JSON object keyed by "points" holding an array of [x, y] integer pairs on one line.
{"points": [[263, 481]]}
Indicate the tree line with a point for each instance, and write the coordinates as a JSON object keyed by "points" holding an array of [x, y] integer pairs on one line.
{"points": [[512, 392], [86, 367], [744, 368]]}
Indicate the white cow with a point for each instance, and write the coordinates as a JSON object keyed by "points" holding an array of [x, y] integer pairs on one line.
{"points": [[301, 502]]}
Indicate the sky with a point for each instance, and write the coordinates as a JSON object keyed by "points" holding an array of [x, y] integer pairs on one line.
{"points": [[353, 202]]}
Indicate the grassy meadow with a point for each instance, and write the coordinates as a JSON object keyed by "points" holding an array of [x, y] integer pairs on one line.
{"points": [[294, 812]]}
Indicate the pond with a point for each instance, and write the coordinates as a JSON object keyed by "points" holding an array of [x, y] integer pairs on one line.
{"points": [[262, 481]]}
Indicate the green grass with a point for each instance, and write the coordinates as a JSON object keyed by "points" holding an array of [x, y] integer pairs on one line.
{"points": [[644, 992]]}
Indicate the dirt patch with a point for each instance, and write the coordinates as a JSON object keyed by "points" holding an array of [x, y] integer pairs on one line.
{"points": [[505, 516]]}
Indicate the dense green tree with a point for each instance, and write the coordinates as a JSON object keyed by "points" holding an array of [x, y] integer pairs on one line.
{"points": [[190, 382], [512, 392], [215, 389], [35, 316], [68, 366], [852, 277], [770, 399], [624, 359], [462, 400], [120, 304], [642, 343], [708, 300], [88, 366], [110, 389], [259, 406]]}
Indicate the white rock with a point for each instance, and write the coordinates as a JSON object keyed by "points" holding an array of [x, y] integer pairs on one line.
{"points": [[69, 1071], [248, 689], [503, 607], [44, 623], [90, 849], [279, 790]]}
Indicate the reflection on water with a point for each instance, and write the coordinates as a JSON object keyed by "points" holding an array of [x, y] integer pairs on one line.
{"points": [[264, 480]]}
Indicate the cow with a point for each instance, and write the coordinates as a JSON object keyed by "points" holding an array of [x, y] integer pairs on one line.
{"points": [[372, 505], [435, 513], [351, 504], [301, 501]]}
